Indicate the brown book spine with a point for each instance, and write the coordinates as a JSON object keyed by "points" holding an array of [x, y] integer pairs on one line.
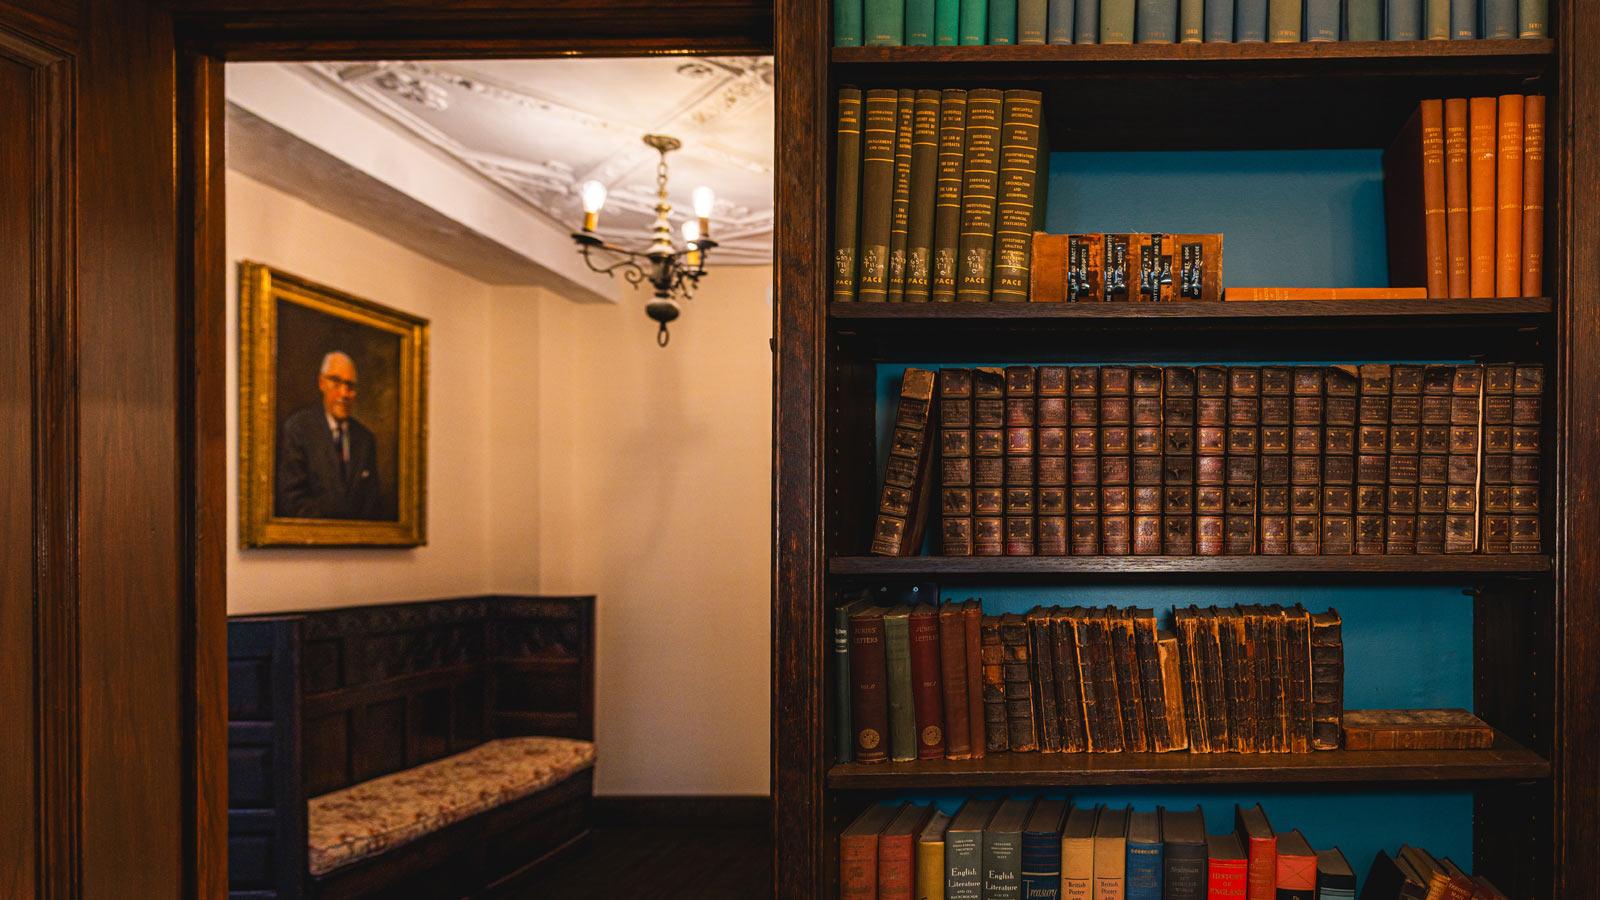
{"points": [[1177, 460], [1415, 729], [1526, 413], [1069, 693], [1041, 656], [1103, 668], [1115, 461], [1457, 199], [1341, 389], [898, 529], [869, 695], [1017, 215], [1020, 509], [1050, 462], [1508, 197], [1276, 627], [1130, 683], [1047, 282], [1433, 460], [988, 461], [927, 687], [1494, 499], [1243, 464], [1297, 658], [1154, 265], [1433, 198], [1405, 442], [972, 633], [1085, 268], [1083, 460], [1214, 682], [1145, 470], [1327, 680], [920, 208], [995, 728], [1210, 462], [1533, 196], [900, 202], [1158, 736], [953, 681], [1116, 261], [847, 193], [1258, 673], [878, 132], [980, 180], [1305, 462], [1173, 712], [1237, 680], [1023, 732], [947, 193], [1372, 457], [1462, 474], [1272, 516], [1190, 678], [1482, 125], [1082, 623], [955, 460]]}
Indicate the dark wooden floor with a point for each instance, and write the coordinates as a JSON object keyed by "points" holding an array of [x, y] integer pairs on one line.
{"points": [[662, 861]]}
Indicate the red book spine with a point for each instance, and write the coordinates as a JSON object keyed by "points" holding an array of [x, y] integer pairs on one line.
{"points": [[972, 627], [1226, 879], [869, 712], [926, 685], [953, 681], [858, 867], [1262, 883], [897, 864]]}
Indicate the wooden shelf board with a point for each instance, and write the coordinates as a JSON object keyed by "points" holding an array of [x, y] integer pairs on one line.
{"points": [[1306, 312], [1451, 565], [1505, 761], [1357, 51]]}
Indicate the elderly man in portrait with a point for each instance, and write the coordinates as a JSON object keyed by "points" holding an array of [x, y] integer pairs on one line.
{"points": [[327, 461]]}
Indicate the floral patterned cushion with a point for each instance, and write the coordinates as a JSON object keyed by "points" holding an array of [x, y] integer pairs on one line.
{"points": [[366, 819]]}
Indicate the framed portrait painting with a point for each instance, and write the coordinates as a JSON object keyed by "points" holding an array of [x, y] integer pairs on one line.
{"points": [[333, 422]]}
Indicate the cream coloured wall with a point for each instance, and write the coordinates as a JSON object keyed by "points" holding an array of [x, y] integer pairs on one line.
{"points": [[568, 454]]}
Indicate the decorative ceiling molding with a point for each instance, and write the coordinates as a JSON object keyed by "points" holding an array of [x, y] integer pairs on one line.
{"points": [[537, 130]]}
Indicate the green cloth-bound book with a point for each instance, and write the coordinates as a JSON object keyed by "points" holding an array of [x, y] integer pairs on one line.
{"points": [[884, 23], [1002, 21], [974, 22], [947, 22], [1116, 21], [1032, 19], [1363, 20], [919, 23], [847, 23], [902, 712]]}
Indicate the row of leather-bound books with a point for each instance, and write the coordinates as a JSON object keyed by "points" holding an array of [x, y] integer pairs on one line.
{"points": [[1211, 460], [1464, 197], [1049, 848], [948, 682], [937, 194]]}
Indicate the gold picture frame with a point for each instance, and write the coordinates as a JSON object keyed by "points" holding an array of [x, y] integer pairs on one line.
{"points": [[356, 479]]}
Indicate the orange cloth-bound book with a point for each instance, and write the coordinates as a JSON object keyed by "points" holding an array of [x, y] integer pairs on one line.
{"points": [[1247, 294], [1508, 199]]}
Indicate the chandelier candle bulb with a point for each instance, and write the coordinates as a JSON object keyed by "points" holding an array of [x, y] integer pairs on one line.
{"points": [[704, 198], [691, 243], [593, 194]]}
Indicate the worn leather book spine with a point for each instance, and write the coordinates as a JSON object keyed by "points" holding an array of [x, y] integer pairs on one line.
{"points": [[1258, 672], [858, 855], [878, 131], [1048, 281], [1069, 693], [1186, 624], [1145, 474], [1405, 423], [902, 704], [1086, 256], [1305, 462], [1462, 475], [1272, 503], [1083, 631], [1117, 262], [1177, 460], [1494, 499], [927, 684], [1115, 463], [1433, 460], [1244, 683], [1341, 387], [1196, 266], [847, 189], [996, 729], [947, 193], [980, 179], [1508, 197], [1327, 680], [898, 529], [1130, 683], [1482, 133], [1243, 460], [1532, 196], [1213, 681], [953, 682], [1297, 659], [1023, 734], [1415, 729], [972, 634], [1019, 206], [1526, 420], [920, 208], [1372, 457], [1274, 630], [1041, 656], [1108, 686], [1083, 460], [1143, 622], [900, 198], [869, 709], [1174, 714], [1210, 464], [1457, 199], [1020, 509], [988, 461], [1050, 463], [955, 460], [897, 854]]}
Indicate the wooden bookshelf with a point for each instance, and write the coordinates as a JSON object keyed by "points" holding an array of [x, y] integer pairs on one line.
{"points": [[1535, 644], [1505, 761]]}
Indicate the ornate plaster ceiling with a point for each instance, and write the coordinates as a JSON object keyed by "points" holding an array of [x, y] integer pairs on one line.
{"points": [[539, 128]]}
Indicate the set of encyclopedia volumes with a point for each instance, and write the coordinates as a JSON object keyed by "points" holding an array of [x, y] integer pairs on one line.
{"points": [[938, 194], [879, 23], [1051, 849], [1212, 460], [948, 682], [1464, 197]]}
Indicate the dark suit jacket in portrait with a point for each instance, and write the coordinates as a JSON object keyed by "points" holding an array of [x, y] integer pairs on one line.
{"points": [[310, 481]]}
